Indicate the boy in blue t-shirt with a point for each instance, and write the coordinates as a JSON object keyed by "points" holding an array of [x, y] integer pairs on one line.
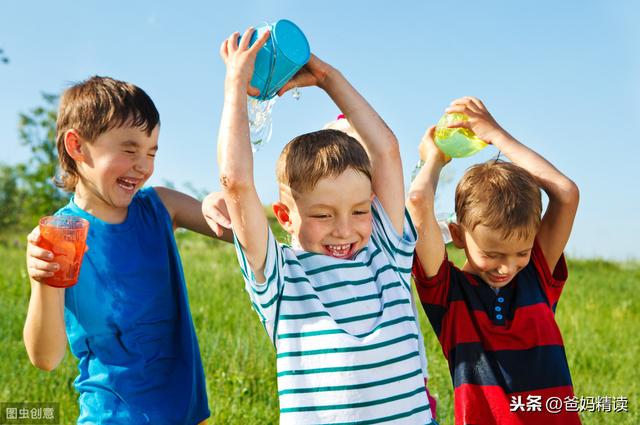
{"points": [[127, 319]]}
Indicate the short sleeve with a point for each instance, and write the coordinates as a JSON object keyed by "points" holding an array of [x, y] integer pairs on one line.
{"points": [[264, 296], [433, 290], [552, 282], [398, 248]]}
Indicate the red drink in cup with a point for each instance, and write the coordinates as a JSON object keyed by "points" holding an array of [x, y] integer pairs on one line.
{"points": [[65, 236]]}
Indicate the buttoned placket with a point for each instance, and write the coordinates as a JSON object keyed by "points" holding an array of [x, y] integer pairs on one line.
{"points": [[498, 310]]}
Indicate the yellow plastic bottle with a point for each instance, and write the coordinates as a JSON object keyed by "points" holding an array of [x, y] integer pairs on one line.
{"points": [[457, 142]]}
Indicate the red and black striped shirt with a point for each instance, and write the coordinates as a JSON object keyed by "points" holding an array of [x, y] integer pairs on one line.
{"points": [[501, 347]]}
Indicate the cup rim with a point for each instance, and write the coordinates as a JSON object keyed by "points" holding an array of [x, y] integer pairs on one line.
{"points": [[79, 222]]}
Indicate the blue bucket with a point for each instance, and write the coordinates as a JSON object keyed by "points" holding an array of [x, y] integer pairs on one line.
{"points": [[286, 51]]}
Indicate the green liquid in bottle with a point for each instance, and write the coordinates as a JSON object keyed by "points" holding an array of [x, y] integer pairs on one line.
{"points": [[457, 142]]}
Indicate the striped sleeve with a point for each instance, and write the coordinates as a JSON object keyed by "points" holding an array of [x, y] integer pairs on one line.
{"points": [[264, 296], [552, 281], [433, 290], [398, 248]]}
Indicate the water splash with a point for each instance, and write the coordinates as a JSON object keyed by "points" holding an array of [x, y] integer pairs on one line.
{"points": [[417, 169], [260, 124], [443, 220]]}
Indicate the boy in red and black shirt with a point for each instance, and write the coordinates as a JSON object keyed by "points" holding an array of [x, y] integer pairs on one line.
{"points": [[495, 317]]}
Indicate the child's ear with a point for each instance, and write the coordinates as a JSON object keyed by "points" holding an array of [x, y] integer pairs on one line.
{"points": [[73, 145], [281, 211], [457, 235]]}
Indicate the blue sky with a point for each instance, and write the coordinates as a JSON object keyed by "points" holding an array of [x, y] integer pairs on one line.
{"points": [[562, 77]]}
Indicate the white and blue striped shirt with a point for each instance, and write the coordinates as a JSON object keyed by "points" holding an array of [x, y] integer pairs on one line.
{"points": [[349, 346]]}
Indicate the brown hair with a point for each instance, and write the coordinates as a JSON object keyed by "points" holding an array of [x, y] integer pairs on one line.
{"points": [[325, 153], [95, 106], [501, 196]]}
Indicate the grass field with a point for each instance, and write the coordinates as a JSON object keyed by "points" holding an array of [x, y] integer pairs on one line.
{"points": [[598, 315]]}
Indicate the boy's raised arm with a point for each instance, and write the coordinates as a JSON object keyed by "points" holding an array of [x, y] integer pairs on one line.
{"points": [[235, 158], [430, 247], [563, 193], [378, 140]]}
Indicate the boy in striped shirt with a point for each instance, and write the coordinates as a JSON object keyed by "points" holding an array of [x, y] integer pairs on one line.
{"points": [[495, 317], [337, 303]]}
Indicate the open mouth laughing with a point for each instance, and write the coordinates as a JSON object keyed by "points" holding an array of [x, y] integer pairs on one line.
{"points": [[340, 251], [128, 184]]}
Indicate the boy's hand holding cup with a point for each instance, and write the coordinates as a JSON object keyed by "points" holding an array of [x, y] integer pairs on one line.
{"points": [[313, 73], [428, 150], [55, 250], [239, 58], [479, 120]]}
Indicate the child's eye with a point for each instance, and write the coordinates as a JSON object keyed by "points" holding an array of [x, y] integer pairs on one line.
{"points": [[131, 152], [320, 216], [152, 155], [361, 212]]}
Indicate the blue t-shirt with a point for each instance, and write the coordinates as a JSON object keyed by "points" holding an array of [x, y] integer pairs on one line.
{"points": [[129, 324]]}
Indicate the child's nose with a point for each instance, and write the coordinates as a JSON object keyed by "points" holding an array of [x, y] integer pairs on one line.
{"points": [[507, 268], [342, 228], [144, 165]]}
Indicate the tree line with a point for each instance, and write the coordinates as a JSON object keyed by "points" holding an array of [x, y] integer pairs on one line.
{"points": [[27, 190]]}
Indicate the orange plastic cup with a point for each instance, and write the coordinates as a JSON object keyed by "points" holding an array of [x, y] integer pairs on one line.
{"points": [[65, 236]]}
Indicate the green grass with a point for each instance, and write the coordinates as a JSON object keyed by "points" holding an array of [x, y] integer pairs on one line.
{"points": [[598, 315]]}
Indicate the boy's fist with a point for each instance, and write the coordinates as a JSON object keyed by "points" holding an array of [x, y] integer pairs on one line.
{"points": [[214, 210]]}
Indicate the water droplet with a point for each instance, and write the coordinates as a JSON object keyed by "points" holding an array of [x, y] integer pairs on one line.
{"points": [[295, 93]]}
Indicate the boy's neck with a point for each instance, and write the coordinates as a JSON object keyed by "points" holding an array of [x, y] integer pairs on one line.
{"points": [[96, 206], [467, 267]]}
